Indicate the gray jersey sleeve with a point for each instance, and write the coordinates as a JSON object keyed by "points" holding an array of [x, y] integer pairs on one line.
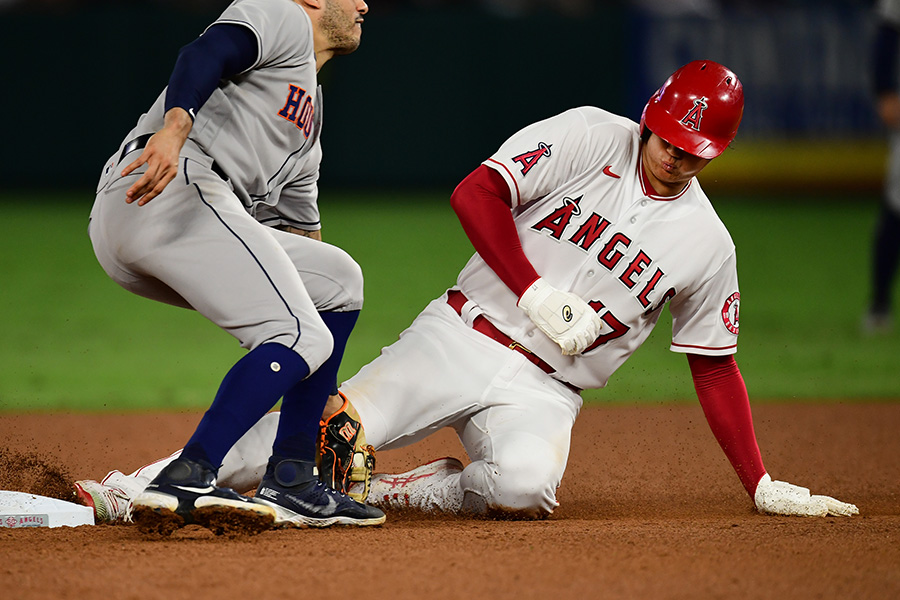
{"points": [[275, 26], [261, 126]]}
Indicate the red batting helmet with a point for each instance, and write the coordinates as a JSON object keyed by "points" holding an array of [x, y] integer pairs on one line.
{"points": [[698, 109]]}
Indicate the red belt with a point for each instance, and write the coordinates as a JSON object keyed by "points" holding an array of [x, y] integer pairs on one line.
{"points": [[457, 299]]}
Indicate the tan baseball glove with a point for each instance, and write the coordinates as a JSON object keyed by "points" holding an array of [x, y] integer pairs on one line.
{"points": [[345, 460]]}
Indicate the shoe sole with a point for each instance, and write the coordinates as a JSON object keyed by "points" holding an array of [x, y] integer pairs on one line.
{"points": [[288, 519], [156, 514], [232, 522], [156, 522]]}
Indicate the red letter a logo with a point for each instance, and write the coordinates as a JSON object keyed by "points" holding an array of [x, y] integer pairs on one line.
{"points": [[530, 158], [692, 119]]}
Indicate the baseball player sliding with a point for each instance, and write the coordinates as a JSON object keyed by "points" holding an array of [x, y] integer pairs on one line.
{"points": [[586, 225], [186, 213]]}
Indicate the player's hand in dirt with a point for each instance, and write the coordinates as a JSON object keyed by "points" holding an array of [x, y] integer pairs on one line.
{"points": [[782, 498], [564, 317], [161, 157]]}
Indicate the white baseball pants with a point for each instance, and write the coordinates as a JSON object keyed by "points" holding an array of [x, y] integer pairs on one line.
{"points": [[514, 420]]}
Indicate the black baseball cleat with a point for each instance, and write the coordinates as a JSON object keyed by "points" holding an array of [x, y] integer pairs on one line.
{"points": [[185, 493], [292, 488]]}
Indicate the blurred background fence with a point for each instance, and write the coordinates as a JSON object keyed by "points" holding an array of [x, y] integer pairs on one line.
{"points": [[437, 85]]}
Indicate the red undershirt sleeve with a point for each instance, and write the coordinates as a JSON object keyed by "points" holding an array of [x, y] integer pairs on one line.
{"points": [[726, 404], [482, 203]]}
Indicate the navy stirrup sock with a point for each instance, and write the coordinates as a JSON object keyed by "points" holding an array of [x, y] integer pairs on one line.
{"points": [[252, 387], [301, 409]]}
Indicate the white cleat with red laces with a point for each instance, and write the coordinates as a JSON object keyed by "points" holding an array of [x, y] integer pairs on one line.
{"points": [[433, 487]]}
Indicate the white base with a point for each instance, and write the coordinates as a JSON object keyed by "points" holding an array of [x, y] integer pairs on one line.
{"points": [[18, 509]]}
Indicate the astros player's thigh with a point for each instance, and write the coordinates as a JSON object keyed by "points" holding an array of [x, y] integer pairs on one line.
{"points": [[332, 277], [434, 376], [196, 242], [121, 232], [519, 444]]}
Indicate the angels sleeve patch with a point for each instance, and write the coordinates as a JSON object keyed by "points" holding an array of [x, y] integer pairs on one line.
{"points": [[530, 158], [731, 313]]}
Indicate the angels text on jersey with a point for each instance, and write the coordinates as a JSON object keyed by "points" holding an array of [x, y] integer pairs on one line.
{"points": [[586, 234]]}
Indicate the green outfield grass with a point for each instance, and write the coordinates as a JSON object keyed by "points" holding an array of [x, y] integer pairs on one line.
{"points": [[73, 340]]}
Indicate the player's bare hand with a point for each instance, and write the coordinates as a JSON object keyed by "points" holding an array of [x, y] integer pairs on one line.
{"points": [[161, 157], [162, 167], [564, 317], [782, 498]]}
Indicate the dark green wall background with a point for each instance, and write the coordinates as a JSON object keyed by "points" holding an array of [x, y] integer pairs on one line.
{"points": [[74, 85], [427, 97], [432, 92]]}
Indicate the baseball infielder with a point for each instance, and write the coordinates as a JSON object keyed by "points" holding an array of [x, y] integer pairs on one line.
{"points": [[185, 213], [586, 226], [886, 242]]}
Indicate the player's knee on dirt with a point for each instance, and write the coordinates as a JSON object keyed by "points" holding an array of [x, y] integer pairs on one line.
{"points": [[520, 487]]}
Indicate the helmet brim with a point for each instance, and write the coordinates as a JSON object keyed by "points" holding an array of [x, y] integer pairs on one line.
{"points": [[682, 136]]}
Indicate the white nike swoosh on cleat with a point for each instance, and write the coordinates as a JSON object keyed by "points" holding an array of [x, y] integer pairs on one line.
{"points": [[327, 510], [193, 490]]}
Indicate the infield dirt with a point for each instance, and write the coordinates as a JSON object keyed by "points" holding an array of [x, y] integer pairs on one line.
{"points": [[650, 508]]}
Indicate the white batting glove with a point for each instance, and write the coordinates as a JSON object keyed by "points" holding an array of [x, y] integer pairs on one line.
{"points": [[566, 318], [781, 498]]}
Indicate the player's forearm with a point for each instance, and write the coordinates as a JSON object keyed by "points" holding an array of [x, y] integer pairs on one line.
{"points": [[726, 404], [177, 125], [481, 201]]}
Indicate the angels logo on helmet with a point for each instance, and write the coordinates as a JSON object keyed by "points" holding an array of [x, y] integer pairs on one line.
{"points": [[675, 110], [693, 117]]}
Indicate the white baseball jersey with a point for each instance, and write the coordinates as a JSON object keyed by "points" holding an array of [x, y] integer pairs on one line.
{"points": [[590, 226]]}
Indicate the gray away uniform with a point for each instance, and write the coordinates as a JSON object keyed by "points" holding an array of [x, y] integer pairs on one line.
{"points": [[250, 164]]}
